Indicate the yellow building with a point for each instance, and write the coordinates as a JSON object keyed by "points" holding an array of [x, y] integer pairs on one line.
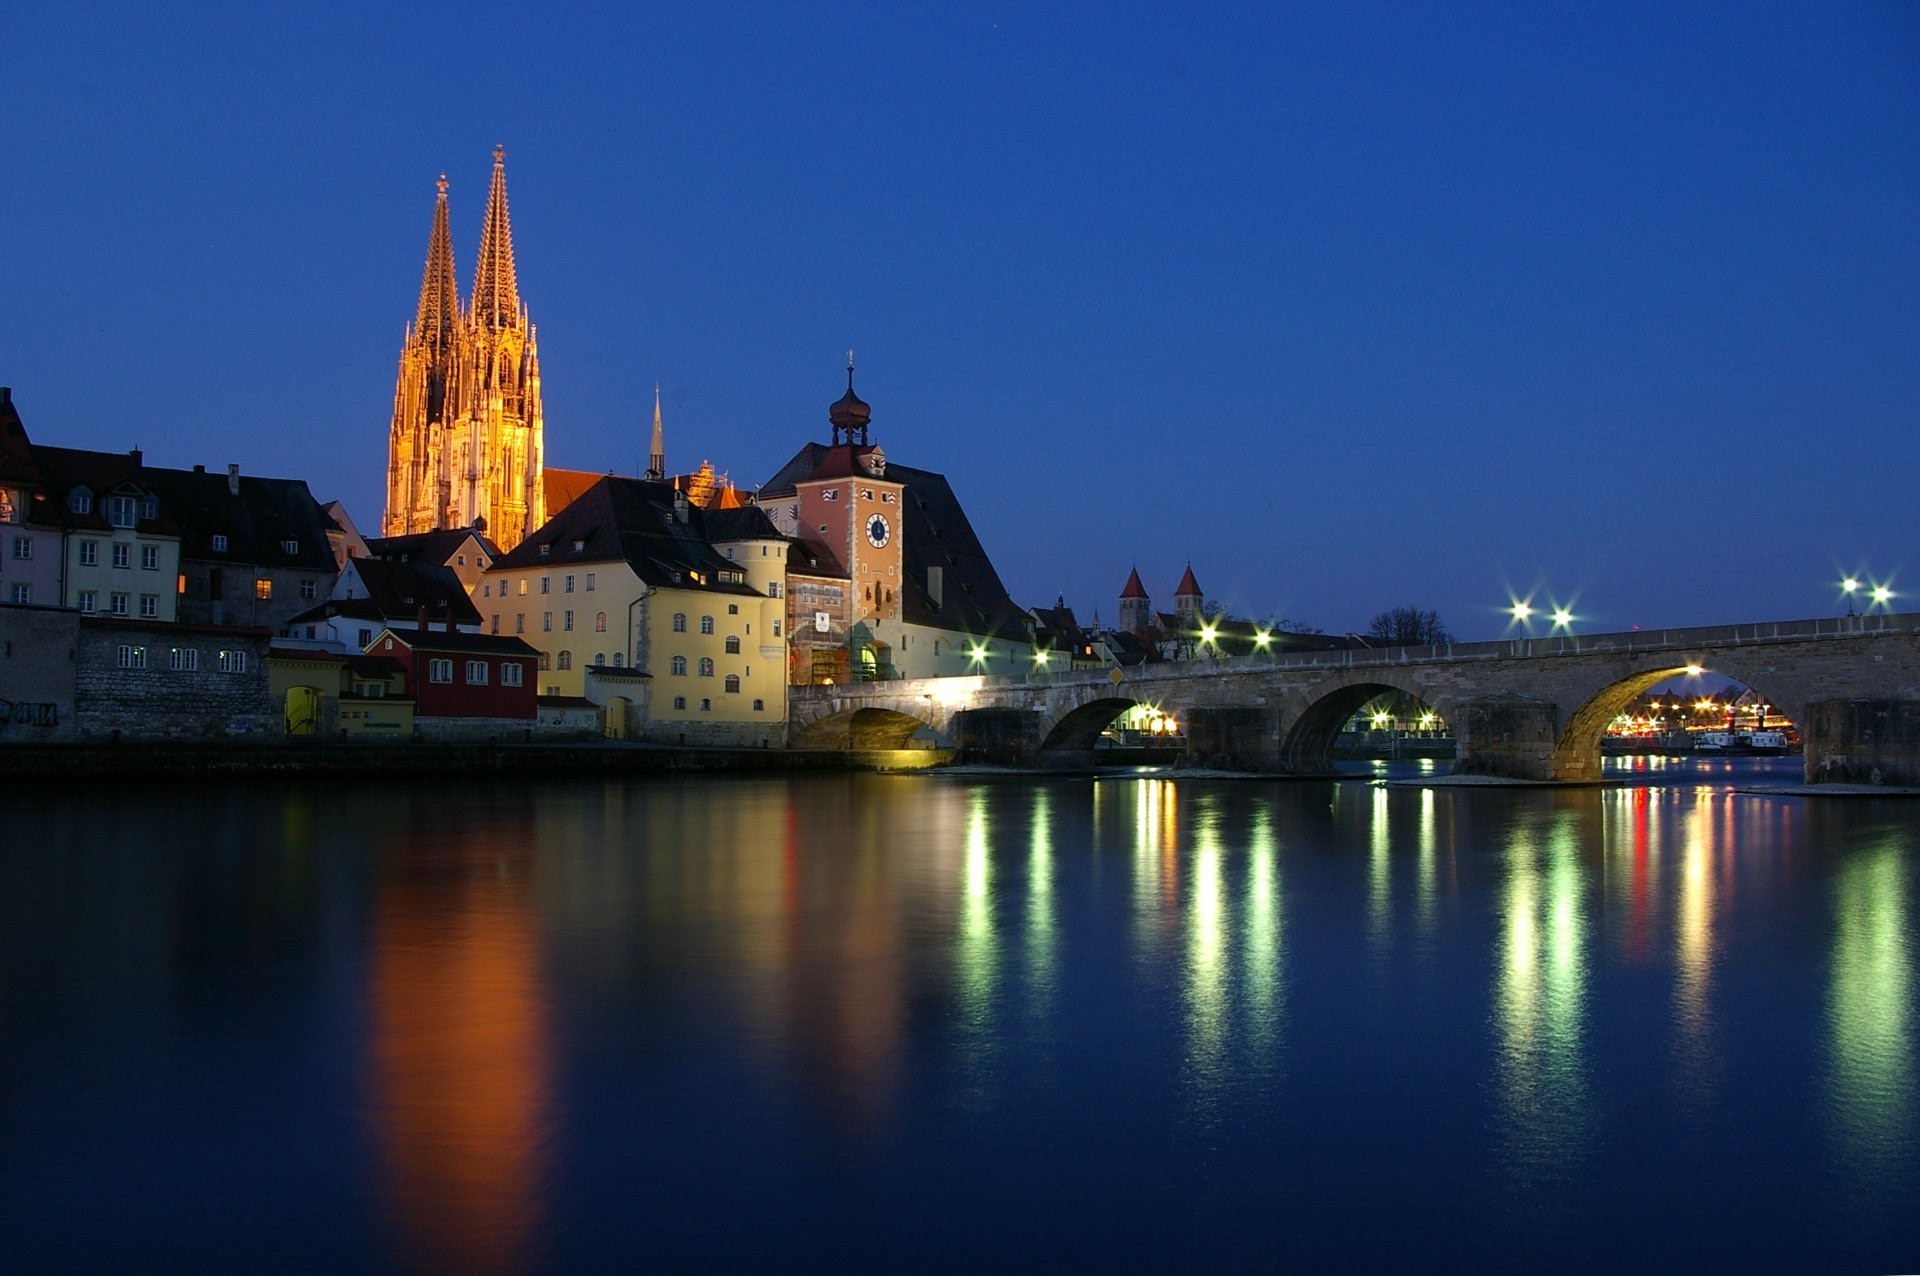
{"points": [[466, 446], [681, 607], [328, 695]]}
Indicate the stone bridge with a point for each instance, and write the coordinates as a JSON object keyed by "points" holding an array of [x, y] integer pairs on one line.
{"points": [[1528, 708]]}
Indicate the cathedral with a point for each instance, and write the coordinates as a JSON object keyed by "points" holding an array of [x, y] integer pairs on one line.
{"points": [[465, 449]]}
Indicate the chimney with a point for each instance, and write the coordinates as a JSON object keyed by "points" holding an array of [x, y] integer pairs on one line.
{"points": [[136, 457], [422, 625], [6, 396], [199, 469], [233, 480], [936, 586]]}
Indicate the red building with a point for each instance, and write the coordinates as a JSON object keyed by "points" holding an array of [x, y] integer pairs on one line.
{"points": [[460, 675]]}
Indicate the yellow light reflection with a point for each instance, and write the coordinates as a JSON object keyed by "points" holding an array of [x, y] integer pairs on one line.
{"points": [[1427, 880], [978, 959], [1379, 878], [1265, 954], [1206, 964], [1694, 946], [1042, 943]]}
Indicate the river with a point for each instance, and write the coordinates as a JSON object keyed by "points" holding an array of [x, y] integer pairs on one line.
{"points": [[960, 1022]]}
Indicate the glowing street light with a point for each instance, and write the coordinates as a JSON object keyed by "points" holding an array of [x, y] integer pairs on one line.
{"points": [[1521, 611], [1881, 595], [1562, 618], [978, 654], [1040, 657], [1263, 638], [1694, 671], [1850, 586]]}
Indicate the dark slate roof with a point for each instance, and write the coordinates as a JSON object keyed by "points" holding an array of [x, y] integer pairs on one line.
{"points": [[399, 590], [435, 547], [441, 640], [632, 520], [16, 451], [102, 473], [257, 521], [936, 533], [1060, 624], [811, 556]]}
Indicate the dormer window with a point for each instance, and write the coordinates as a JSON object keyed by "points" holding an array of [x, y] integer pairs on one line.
{"points": [[150, 507], [219, 544], [122, 511], [544, 550], [80, 501], [291, 546], [579, 547]]}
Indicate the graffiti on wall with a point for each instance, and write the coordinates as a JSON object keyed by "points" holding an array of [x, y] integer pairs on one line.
{"points": [[21, 714]]}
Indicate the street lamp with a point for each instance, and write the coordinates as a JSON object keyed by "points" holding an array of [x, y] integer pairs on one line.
{"points": [[1882, 595], [1562, 618], [1850, 586]]}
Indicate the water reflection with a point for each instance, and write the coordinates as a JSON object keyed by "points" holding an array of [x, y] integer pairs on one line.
{"points": [[1540, 1003], [1265, 951], [1042, 941], [1206, 957], [1702, 833], [1870, 1070], [458, 1049]]}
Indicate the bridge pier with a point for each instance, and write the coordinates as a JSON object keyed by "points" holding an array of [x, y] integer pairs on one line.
{"points": [[1233, 737], [1862, 742], [1509, 736], [997, 737]]}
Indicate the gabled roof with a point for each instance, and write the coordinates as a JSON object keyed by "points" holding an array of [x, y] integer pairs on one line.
{"points": [[399, 590], [259, 520], [103, 474], [563, 487], [1060, 625], [441, 640], [435, 548], [16, 450], [818, 461], [810, 556], [634, 521]]}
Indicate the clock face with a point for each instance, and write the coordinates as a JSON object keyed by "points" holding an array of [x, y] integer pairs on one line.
{"points": [[878, 531]]}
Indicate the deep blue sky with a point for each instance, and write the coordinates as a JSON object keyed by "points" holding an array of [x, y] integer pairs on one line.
{"points": [[1357, 307]]}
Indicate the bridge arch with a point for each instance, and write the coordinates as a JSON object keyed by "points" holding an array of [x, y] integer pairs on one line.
{"points": [[1307, 745], [1079, 729], [1576, 751], [861, 728]]}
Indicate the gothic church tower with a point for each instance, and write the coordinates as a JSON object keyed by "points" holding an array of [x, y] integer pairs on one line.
{"points": [[467, 443]]}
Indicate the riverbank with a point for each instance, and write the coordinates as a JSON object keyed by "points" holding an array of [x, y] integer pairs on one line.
{"points": [[88, 763]]}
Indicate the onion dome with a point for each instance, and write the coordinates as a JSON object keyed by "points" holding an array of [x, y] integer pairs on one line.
{"points": [[850, 412]]}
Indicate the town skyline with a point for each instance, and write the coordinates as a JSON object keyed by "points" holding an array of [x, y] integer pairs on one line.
{"points": [[1350, 314]]}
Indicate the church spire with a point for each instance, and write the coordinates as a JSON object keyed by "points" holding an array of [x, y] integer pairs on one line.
{"points": [[439, 312], [496, 294], [657, 453]]}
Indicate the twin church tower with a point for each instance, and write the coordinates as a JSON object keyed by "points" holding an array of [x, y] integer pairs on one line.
{"points": [[466, 444]]}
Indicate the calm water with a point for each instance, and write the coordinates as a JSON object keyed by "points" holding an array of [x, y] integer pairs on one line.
{"points": [[960, 1021]]}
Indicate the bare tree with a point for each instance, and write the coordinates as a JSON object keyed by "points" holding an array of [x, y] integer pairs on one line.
{"points": [[1410, 627]]}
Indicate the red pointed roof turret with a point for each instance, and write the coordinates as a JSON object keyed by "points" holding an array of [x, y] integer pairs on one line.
{"points": [[1134, 588], [1188, 587]]}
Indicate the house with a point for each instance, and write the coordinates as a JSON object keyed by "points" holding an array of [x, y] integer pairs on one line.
{"points": [[253, 551], [373, 593], [632, 578], [30, 530], [462, 684], [120, 545], [464, 551]]}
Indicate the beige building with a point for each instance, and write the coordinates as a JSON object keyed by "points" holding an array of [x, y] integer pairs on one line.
{"points": [[683, 608]]}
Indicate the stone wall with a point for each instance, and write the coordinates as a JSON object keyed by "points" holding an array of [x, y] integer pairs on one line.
{"points": [[145, 697], [37, 653], [711, 735]]}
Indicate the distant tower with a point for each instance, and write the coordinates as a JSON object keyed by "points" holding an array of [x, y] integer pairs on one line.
{"points": [[657, 451], [1187, 599], [468, 438], [849, 414], [1136, 611]]}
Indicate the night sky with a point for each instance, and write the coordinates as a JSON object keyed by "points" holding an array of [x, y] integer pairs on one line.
{"points": [[1392, 304]]}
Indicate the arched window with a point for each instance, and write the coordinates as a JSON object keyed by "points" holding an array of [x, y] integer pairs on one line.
{"points": [[759, 705], [706, 624], [706, 706], [733, 645], [679, 622], [733, 684], [599, 659], [706, 666], [566, 660], [678, 666], [679, 702], [619, 659], [546, 661], [600, 623]]}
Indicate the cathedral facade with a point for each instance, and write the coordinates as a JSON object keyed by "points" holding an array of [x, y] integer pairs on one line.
{"points": [[467, 440]]}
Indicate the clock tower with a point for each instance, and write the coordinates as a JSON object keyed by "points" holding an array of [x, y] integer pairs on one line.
{"points": [[849, 502]]}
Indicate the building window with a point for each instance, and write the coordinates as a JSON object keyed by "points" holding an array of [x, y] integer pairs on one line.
{"points": [[677, 666], [566, 620], [679, 622], [706, 624], [589, 582], [566, 585], [732, 684], [546, 622], [123, 555], [733, 645], [22, 592], [219, 544], [496, 623], [486, 590], [546, 584], [733, 609], [510, 673], [476, 673], [679, 702], [566, 660], [22, 547], [773, 589], [523, 587], [89, 553], [150, 558], [545, 550], [119, 604], [439, 671], [462, 560], [600, 622], [545, 660], [619, 659], [132, 657], [233, 662], [183, 660], [121, 511], [776, 629], [829, 495], [290, 546], [80, 501], [759, 706], [366, 638], [262, 588], [88, 600], [309, 589], [706, 666], [520, 623], [149, 606], [150, 507], [706, 706]]}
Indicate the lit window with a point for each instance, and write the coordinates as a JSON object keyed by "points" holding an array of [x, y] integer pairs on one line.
{"points": [[523, 587], [183, 660], [262, 588], [706, 666]]}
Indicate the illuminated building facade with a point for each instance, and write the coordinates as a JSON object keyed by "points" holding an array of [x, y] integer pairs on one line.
{"points": [[467, 440]]}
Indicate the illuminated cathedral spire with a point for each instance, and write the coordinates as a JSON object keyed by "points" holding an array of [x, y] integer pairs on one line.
{"points": [[438, 318], [496, 293], [657, 450]]}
